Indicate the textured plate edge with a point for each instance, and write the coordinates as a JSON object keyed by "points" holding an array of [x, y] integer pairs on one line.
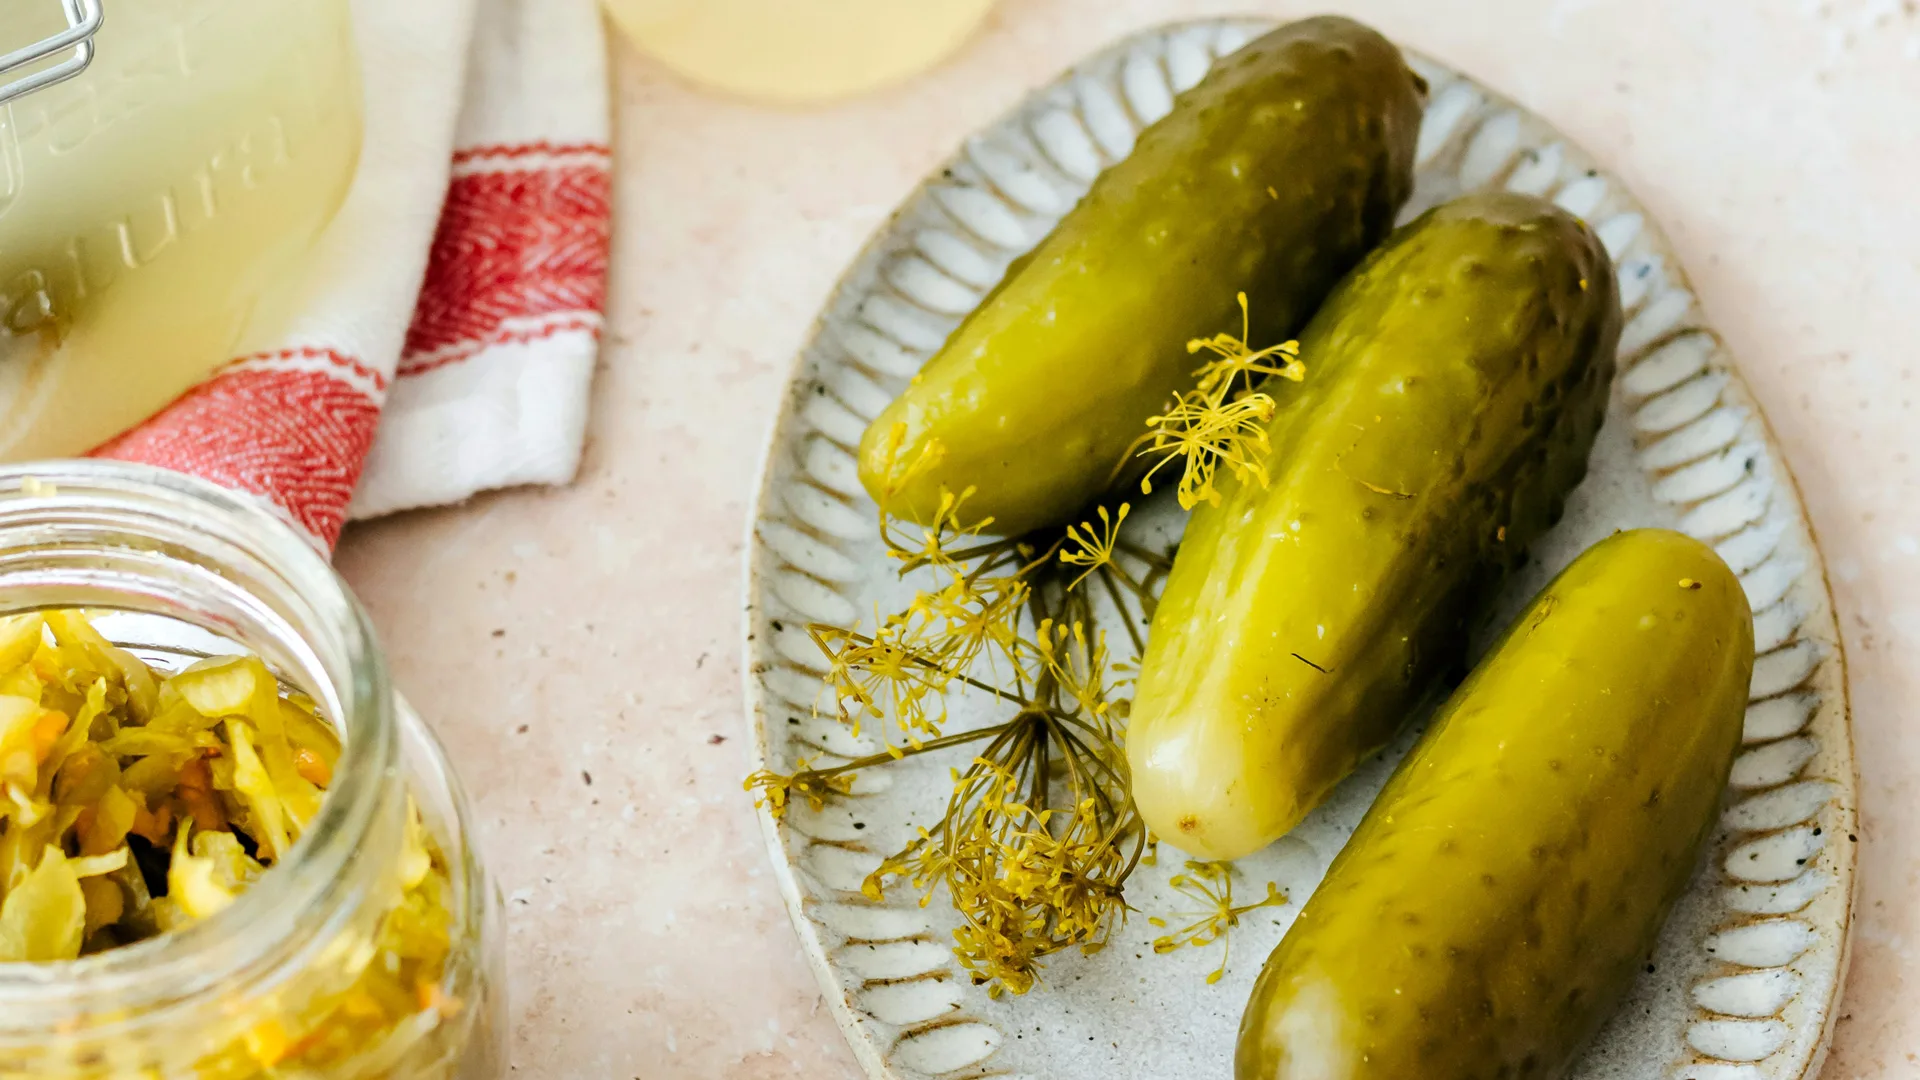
{"points": [[1816, 1062], [1825, 622], [865, 1051]]}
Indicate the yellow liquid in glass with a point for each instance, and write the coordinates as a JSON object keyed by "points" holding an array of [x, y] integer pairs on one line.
{"points": [[149, 206], [797, 50]]}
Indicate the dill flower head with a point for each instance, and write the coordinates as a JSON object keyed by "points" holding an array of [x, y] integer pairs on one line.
{"points": [[1040, 832], [1223, 420], [777, 791], [1210, 885], [1091, 548]]}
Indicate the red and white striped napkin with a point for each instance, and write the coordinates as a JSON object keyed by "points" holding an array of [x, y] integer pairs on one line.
{"points": [[451, 314]]}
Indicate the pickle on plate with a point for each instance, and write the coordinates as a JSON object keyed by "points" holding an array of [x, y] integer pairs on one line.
{"points": [[1491, 909], [1455, 383], [1272, 177]]}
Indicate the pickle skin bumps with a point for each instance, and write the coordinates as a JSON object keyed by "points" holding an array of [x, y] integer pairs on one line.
{"points": [[1273, 177], [1455, 383], [1492, 908]]}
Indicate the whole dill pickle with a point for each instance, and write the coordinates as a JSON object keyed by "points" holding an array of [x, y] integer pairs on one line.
{"points": [[1273, 176], [1491, 909], [1455, 382]]}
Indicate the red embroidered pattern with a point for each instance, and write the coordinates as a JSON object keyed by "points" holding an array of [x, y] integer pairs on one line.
{"points": [[521, 150], [295, 436], [518, 244], [420, 364], [331, 356]]}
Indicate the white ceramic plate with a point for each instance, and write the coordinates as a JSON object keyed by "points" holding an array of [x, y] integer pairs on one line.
{"points": [[1745, 979]]}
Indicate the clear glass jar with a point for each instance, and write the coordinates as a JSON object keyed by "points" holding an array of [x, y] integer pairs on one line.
{"points": [[173, 569], [153, 208], [778, 50]]}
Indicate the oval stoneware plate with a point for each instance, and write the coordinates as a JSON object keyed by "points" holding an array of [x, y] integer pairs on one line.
{"points": [[1744, 983]]}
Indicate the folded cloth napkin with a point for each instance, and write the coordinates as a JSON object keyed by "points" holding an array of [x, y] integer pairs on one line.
{"points": [[450, 315]]}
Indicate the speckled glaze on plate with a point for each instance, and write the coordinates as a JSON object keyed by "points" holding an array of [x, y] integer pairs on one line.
{"points": [[1744, 982]]}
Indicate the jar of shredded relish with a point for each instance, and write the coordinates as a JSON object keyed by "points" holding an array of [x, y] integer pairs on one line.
{"points": [[228, 849]]}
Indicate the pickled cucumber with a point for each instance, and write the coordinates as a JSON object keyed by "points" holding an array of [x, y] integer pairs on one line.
{"points": [[1454, 386], [1492, 908], [1272, 177]]}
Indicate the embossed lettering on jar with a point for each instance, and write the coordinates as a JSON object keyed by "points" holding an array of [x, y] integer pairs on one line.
{"points": [[155, 208]]}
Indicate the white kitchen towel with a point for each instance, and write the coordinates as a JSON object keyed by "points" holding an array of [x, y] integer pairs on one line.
{"points": [[450, 317]]}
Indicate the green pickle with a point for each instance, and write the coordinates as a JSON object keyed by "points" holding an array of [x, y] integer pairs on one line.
{"points": [[135, 801], [1272, 177], [1491, 909], [1455, 383]]}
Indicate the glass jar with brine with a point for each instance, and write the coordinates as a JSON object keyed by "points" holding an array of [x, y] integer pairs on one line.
{"points": [[228, 849], [155, 204]]}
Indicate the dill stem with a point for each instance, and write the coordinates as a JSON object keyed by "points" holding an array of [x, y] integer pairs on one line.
{"points": [[917, 659], [1146, 555], [885, 757], [1037, 784], [1133, 450], [992, 547], [1107, 574], [1003, 695]]}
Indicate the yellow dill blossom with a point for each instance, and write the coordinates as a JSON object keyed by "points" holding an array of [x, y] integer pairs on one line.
{"points": [[895, 673], [900, 673], [933, 545], [1040, 831], [1204, 435], [1234, 360], [1093, 548], [776, 791], [1030, 873], [1223, 420], [1211, 885], [980, 620], [1077, 662]]}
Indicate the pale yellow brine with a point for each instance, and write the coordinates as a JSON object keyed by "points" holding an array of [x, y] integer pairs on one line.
{"points": [[155, 208]]}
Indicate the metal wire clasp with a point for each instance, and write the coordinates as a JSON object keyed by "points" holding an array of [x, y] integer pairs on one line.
{"points": [[83, 22]]}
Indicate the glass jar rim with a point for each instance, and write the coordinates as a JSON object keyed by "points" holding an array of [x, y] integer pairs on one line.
{"points": [[137, 516]]}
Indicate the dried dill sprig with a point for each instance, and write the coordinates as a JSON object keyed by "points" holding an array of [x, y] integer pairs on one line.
{"points": [[1040, 832], [903, 670], [1211, 885]]}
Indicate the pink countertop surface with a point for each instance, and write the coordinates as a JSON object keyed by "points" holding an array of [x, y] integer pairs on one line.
{"points": [[578, 648]]}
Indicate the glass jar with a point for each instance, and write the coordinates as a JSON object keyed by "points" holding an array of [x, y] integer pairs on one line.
{"points": [[781, 51], [173, 569], [153, 208]]}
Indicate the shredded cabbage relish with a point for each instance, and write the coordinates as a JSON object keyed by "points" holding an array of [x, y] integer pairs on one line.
{"points": [[134, 801]]}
